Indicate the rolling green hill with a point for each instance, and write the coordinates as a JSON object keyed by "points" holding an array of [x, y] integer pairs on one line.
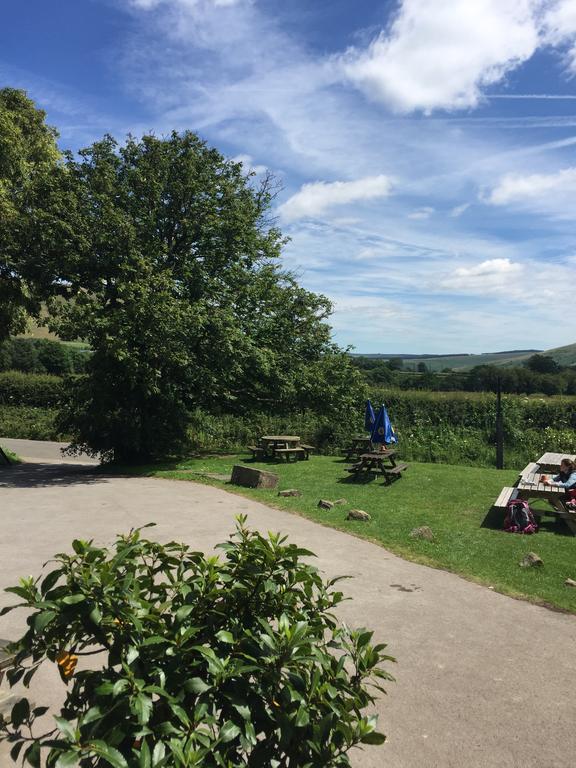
{"points": [[565, 356]]}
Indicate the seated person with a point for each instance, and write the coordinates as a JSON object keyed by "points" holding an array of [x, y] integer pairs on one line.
{"points": [[566, 478]]}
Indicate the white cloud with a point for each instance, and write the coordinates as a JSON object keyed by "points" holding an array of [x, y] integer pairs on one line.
{"points": [[248, 162], [488, 276], [560, 29], [421, 213], [315, 198], [538, 187], [439, 55]]}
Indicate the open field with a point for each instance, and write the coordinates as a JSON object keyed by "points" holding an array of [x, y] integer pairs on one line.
{"points": [[454, 501]]}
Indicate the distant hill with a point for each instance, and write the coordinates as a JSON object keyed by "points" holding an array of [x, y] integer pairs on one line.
{"points": [[462, 361]]}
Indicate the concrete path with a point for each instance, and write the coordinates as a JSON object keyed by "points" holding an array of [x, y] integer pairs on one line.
{"points": [[483, 681]]}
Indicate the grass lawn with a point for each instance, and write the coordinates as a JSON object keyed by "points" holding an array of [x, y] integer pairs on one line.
{"points": [[12, 456], [454, 501]]}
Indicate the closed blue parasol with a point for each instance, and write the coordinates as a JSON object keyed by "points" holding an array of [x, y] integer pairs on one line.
{"points": [[369, 417], [382, 431]]}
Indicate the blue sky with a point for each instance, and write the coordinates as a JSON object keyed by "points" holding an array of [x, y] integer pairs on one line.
{"points": [[426, 149]]}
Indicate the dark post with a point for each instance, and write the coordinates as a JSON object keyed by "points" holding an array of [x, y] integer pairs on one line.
{"points": [[499, 427]]}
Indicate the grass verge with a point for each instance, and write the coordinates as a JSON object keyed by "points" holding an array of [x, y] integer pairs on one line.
{"points": [[454, 501], [12, 457]]}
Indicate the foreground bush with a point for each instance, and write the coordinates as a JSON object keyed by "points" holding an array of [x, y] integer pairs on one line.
{"points": [[194, 661]]}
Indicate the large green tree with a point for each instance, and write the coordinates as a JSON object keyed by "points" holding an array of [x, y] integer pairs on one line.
{"points": [[173, 280], [36, 210]]}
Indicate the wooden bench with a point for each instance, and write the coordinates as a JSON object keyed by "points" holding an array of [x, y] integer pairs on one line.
{"points": [[257, 452], [290, 454], [308, 449], [397, 469], [506, 495]]}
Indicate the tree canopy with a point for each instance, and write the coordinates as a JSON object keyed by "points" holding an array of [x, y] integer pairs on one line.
{"points": [[160, 253], [33, 209]]}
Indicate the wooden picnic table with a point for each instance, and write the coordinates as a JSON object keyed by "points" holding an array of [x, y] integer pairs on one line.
{"points": [[282, 447], [550, 462], [378, 462], [532, 487], [358, 445]]}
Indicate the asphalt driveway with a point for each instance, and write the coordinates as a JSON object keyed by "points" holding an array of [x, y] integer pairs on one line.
{"points": [[483, 681]]}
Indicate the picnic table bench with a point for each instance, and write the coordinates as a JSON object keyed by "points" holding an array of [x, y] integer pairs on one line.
{"points": [[378, 462], [530, 486], [284, 447]]}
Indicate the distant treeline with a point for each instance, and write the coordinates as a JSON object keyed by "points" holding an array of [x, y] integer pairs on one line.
{"points": [[539, 374], [42, 356]]}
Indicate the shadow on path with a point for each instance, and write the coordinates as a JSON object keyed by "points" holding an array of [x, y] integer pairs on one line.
{"points": [[40, 475]]}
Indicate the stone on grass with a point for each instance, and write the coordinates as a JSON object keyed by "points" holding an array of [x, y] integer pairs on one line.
{"points": [[290, 492], [253, 478], [358, 514], [340, 501], [531, 560], [325, 504], [422, 532], [570, 583]]}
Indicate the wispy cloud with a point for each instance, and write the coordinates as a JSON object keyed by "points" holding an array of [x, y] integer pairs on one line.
{"points": [[421, 213], [317, 197], [516, 188], [458, 210]]}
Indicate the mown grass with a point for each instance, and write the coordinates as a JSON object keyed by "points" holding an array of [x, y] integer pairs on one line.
{"points": [[454, 501], [13, 458]]}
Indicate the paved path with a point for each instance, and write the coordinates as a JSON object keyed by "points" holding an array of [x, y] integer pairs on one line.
{"points": [[483, 681]]}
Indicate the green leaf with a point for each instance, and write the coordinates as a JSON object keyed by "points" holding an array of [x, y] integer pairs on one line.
{"points": [[183, 612], [196, 685], [73, 599], [142, 707], [108, 753], [302, 717], [228, 732], [158, 753], [225, 637], [145, 758], [373, 738], [41, 620], [66, 728], [95, 616], [67, 760]]}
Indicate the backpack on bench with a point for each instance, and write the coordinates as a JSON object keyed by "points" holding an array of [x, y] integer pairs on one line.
{"points": [[519, 517]]}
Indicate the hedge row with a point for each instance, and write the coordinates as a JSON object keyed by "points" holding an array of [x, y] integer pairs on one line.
{"points": [[30, 389], [454, 428], [43, 356]]}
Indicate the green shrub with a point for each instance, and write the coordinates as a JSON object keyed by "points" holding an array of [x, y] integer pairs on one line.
{"points": [[28, 423], [195, 661], [30, 389]]}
